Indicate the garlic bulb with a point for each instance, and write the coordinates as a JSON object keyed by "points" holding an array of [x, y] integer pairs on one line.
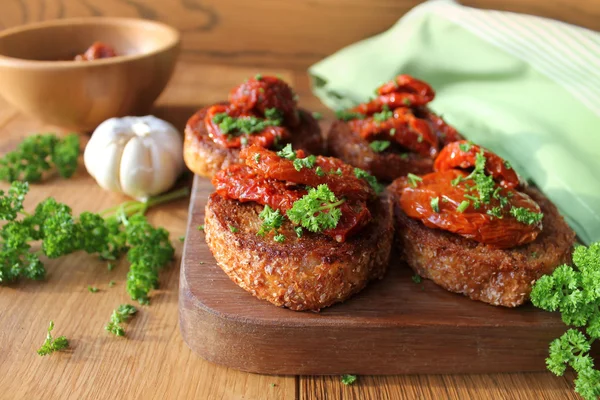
{"points": [[137, 156]]}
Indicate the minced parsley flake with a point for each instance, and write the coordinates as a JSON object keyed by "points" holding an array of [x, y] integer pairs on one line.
{"points": [[413, 179]]}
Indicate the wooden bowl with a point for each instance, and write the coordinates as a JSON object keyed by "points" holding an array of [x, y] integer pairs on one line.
{"points": [[39, 77]]}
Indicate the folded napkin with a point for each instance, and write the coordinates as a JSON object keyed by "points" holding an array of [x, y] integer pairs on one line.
{"points": [[525, 87]]}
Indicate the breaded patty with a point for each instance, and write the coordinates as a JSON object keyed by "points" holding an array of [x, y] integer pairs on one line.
{"points": [[306, 273], [385, 166], [205, 157], [484, 272]]}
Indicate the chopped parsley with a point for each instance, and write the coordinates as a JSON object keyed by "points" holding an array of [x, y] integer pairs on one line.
{"points": [[348, 379], [416, 278], [316, 211], [248, 125], [306, 162], [298, 230], [244, 141], [371, 180], [111, 283], [420, 138], [257, 158], [413, 179], [123, 313], [507, 164], [348, 115], [462, 207], [50, 344], [435, 204], [233, 229], [465, 146], [526, 216], [384, 115], [279, 238], [319, 171], [92, 289], [182, 239], [272, 220], [287, 152], [404, 156], [336, 172], [317, 115], [393, 132], [484, 184], [495, 212], [379, 145], [201, 227], [258, 77], [406, 101]]}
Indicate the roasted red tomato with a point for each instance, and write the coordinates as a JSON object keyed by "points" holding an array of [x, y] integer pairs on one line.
{"points": [[96, 51], [439, 201], [404, 91], [463, 154], [337, 175], [261, 93], [400, 126]]}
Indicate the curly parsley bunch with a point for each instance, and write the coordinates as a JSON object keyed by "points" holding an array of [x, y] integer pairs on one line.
{"points": [[52, 223], [39, 153], [574, 291]]}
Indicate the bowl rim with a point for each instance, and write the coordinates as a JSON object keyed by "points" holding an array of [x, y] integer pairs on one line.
{"points": [[174, 41]]}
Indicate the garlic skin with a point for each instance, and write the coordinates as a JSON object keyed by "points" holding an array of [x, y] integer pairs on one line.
{"points": [[137, 156]]}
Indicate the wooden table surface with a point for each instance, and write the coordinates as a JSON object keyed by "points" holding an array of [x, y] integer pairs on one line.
{"points": [[152, 362]]}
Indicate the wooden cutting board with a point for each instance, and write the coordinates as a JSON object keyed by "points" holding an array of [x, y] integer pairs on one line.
{"points": [[394, 326]]}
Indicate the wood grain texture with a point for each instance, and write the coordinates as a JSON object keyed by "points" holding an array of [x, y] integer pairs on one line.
{"points": [[153, 362], [292, 33]]}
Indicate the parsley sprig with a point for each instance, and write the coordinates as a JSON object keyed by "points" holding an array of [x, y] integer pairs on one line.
{"points": [[272, 221], [123, 313], [39, 153], [50, 344], [574, 291], [124, 231], [316, 211]]}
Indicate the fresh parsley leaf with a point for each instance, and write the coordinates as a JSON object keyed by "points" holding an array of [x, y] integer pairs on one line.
{"points": [[123, 313], [182, 238], [371, 180], [201, 227], [233, 229], [298, 230], [272, 220], [279, 238], [526, 216], [379, 145], [306, 162], [406, 101], [317, 115], [258, 77], [92, 289], [393, 132], [413, 180], [50, 344], [273, 114], [316, 211], [495, 212], [319, 171], [287, 152], [40, 153], [348, 115], [416, 278], [348, 379], [111, 283]]}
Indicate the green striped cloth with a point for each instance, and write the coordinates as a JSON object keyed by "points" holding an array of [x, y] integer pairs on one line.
{"points": [[524, 86]]}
